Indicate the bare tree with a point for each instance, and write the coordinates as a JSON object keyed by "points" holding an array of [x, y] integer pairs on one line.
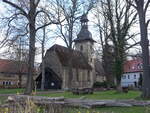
{"points": [[42, 40], [119, 17], [142, 7], [102, 28], [29, 10]]}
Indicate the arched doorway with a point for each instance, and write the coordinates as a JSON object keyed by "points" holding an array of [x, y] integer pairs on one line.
{"points": [[52, 80]]}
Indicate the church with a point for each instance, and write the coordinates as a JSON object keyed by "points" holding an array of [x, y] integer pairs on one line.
{"points": [[83, 64]]}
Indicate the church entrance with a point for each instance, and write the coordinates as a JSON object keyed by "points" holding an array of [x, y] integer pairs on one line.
{"points": [[52, 81]]}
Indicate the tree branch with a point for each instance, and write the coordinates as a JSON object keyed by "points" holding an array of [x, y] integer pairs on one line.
{"points": [[36, 4], [132, 46], [147, 23], [52, 22], [146, 6], [17, 7], [129, 1]]}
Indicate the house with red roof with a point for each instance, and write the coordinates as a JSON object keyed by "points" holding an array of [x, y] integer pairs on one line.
{"points": [[133, 69], [13, 73]]}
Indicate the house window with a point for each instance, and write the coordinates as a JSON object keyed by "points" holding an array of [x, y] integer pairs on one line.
{"points": [[134, 76], [124, 77], [6, 83], [128, 76], [9, 83], [3, 82]]}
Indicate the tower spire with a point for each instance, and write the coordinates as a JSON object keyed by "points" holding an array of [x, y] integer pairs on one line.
{"points": [[84, 34]]}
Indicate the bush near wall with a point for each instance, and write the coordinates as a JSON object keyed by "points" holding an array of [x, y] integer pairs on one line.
{"points": [[104, 84]]}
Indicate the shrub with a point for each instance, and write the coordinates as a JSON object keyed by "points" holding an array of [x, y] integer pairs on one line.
{"points": [[100, 84], [104, 84]]}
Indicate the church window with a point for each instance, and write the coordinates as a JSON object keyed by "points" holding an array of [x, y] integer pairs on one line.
{"points": [[91, 47], [81, 47], [91, 59], [77, 71], [88, 76]]}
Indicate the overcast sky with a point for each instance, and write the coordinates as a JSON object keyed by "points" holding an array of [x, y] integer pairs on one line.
{"points": [[61, 42]]}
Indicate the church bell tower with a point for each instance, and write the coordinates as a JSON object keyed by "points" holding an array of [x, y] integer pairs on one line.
{"points": [[84, 41]]}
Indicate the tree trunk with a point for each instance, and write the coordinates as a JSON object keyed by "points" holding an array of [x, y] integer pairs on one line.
{"points": [[108, 62], [70, 73], [118, 73], [20, 80], [145, 55], [119, 88], [32, 32], [43, 62], [29, 85], [119, 59]]}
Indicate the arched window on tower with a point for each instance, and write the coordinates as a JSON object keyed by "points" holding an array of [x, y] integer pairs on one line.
{"points": [[91, 47]]}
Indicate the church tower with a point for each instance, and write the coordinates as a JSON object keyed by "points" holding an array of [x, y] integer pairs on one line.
{"points": [[84, 41]]}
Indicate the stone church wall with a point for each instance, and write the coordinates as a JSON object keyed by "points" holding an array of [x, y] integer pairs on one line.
{"points": [[52, 61]]}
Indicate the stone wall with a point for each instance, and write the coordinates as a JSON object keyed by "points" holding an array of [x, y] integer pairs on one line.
{"points": [[52, 61], [81, 81]]}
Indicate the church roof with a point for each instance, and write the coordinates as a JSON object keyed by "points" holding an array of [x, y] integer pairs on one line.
{"points": [[78, 59], [84, 34], [99, 67]]}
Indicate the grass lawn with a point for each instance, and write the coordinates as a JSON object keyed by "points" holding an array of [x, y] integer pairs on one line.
{"points": [[111, 110], [11, 91], [8, 91], [104, 95], [98, 95], [112, 94], [124, 110]]}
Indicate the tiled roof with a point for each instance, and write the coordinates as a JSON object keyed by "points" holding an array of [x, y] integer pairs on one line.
{"points": [[134, 65], [78, 59], [12, 66]]}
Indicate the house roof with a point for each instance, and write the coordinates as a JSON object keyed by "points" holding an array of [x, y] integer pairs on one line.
{"points": [[12, 66], [134, 65], [78, 59]]}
